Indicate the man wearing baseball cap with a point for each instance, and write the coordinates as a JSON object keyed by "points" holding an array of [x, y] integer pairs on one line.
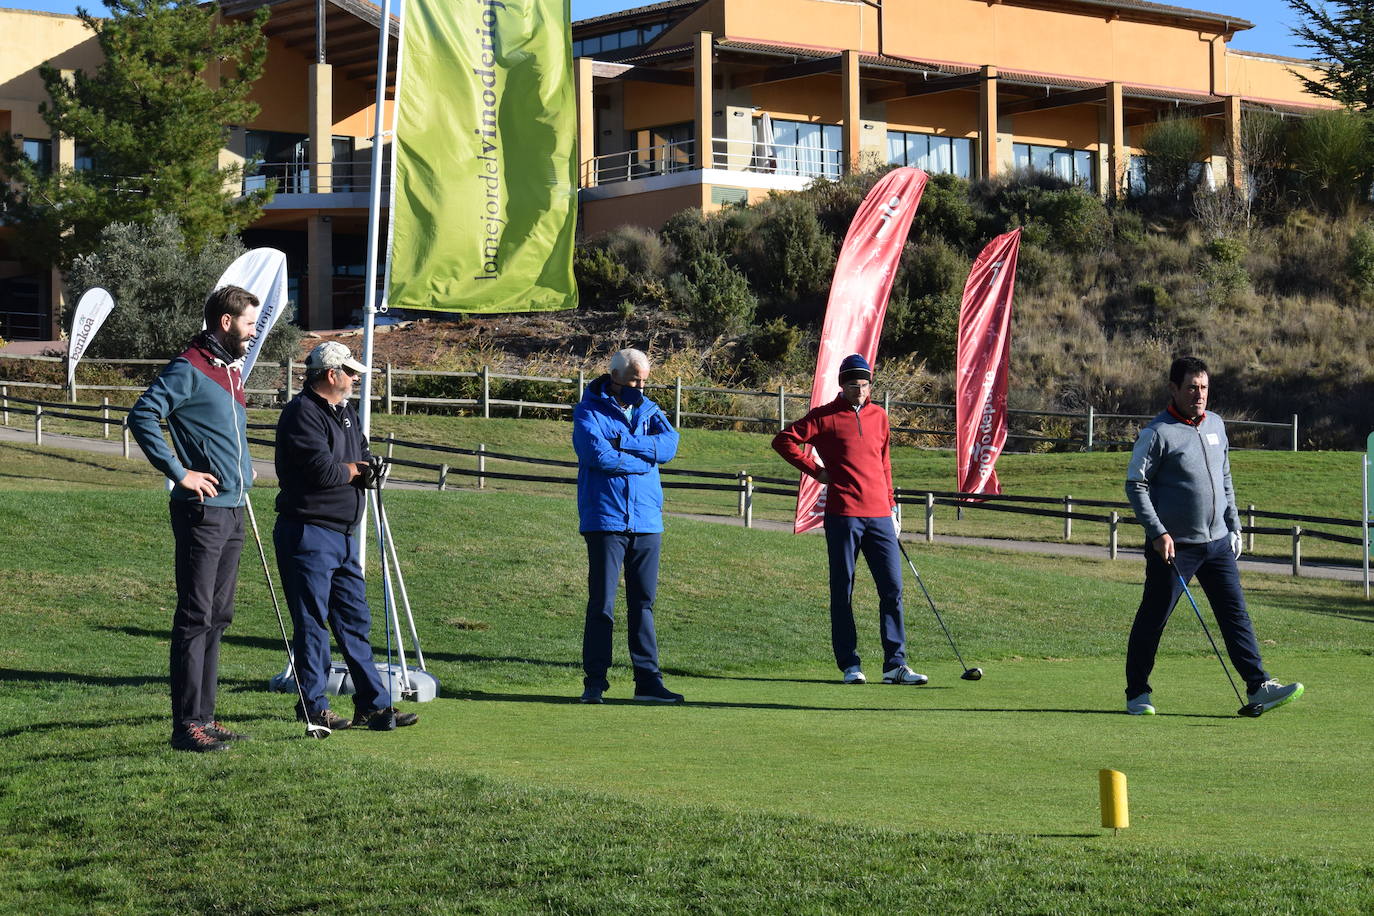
{"points": [[323, 464], [850, 434]]}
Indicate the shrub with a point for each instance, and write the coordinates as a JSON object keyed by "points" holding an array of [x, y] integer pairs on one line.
{"points": [[931, 269], [601, 279], [1055, 214], [715, 296], [947, 213], [159, 289], [927, 327], [1173, 152], [790, 256], [1223, 270], [638, 250], [1330, 154], [767, 347], [1360, 260]]}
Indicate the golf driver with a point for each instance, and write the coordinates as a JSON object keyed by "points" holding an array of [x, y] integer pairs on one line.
{"points": [[970, 674], [1249, 710], [312, 729]]}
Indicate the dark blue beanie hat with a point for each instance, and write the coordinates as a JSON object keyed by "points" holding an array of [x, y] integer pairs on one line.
{"points": [[855, 366]]}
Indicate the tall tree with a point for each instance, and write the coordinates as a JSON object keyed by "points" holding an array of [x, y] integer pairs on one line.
{"points": [[152, 120], [1341, 33]]}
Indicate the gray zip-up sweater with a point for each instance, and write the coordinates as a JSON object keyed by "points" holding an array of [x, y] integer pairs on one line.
{"points": [[1179, 480]]}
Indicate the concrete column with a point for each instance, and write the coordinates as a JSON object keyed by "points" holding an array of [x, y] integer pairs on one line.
{"points": [[586, 121], [321, 128], [851, 94], [988, 157], [1235, 160], [1118, 156], [319, 232], [705, 80]]}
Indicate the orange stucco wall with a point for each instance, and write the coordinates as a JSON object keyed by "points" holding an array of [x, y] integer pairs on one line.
{"points": [[1259, 77], [819, 23], [951, 114], [653, 105], [649, 209], [28, 39]]}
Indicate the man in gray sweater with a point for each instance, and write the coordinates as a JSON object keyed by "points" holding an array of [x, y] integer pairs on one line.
{"points": [[1179, 484]]}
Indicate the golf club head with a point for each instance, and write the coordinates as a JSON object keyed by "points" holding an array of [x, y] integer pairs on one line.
{"points": [[1251, 710], [972, 674], [317, 731]]}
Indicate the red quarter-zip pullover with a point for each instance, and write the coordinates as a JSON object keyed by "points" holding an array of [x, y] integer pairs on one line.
{"points": [[853, 445]]}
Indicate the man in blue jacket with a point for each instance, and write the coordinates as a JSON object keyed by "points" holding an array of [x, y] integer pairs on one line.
{"points": [[323, 464], [200, 396], [621, 437], [1179, 484]]}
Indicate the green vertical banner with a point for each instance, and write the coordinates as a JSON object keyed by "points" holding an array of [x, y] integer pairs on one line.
{"points": [[486, 191]]}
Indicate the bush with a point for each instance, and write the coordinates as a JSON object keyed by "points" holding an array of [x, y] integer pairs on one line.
{"points": [[1330, 154], [159, 289], [790, 257], [931, 269], [601, 279], [1360, 260], [768, 347], [1223, 270], [715, 296], [947, 213], [1173, 149], [1055, 214], [927, 327]]}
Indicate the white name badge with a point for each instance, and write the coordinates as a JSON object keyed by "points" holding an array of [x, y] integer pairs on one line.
{"points": [[1212, 439]]}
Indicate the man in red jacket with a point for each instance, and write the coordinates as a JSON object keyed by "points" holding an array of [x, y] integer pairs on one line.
{"points": [[850, 434]]}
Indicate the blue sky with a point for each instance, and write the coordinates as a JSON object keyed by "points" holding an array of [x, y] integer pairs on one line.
{"points": [[1272, 18]]}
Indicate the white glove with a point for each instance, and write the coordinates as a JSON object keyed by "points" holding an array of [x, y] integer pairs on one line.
{"points": [[1235, 544], [896, 521]]}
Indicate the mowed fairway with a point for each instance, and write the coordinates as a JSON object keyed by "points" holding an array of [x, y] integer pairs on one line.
{"points": [[774, 789]]}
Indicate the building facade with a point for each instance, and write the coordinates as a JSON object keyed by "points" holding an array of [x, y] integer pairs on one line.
{"points": [[704, 103]]}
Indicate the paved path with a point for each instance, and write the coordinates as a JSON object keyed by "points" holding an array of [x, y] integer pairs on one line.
{"points": [[1270, 565]]}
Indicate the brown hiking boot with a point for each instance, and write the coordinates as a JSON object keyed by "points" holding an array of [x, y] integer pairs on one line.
{"points": [[196, 739]]}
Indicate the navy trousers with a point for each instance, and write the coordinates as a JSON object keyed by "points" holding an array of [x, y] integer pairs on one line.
{"points": [[208, 540], [607, 553], [325, 590], [1215, 568], [845, 536]]}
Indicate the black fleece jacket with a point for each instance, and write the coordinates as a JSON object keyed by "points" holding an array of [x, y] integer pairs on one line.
{"points": [[314, 443]]}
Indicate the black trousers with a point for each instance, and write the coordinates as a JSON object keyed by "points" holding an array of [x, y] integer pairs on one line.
{"points": [[209, 540]]}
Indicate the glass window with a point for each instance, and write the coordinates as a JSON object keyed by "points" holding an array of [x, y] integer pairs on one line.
{"points": [[39, 152], [1083, 167], [610, 42], [651, 32], [963, 157], [1072, 165], [808, 150], [932, 154]]}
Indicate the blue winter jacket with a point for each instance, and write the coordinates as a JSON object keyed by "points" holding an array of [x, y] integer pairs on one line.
{"points": [[202, 399], [617, 466]]}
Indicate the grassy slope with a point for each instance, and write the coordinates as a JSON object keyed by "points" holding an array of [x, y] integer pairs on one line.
{"points": [[772, 790]]}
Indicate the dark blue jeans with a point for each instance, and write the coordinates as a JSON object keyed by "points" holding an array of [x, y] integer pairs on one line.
{"points": [[844, 538], [607, 552], [209, 540], [325, 590], [1216, 572]]}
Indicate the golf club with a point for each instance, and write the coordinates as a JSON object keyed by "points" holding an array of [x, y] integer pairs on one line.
{"points": [[312, 729], [970, 674], [1249, 710]]}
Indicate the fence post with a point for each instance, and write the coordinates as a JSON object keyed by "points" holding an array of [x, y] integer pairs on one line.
{"points": [[481, 465], [486, 393], [390, 445], [124, 434], [1111, 534], [1295, 432], [1068, 519], [443, 476], [1089, 443], [1250, 528], [287, 381], [677, 404], [105, 412], [38, 424], [930, 516], [1297, 550], [743, 477], [782, 407], [5, 396], [748, 502], [388, 404], [581, 385]]}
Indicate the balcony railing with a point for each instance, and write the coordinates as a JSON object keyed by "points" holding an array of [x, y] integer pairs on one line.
{"points": [[731, 155], [304, 177]]}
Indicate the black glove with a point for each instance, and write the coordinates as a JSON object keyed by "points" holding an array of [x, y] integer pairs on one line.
{"points": [[367, 476], [379, 469]]}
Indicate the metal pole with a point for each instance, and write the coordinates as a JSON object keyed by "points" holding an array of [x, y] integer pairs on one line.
{"points": [[1090, 428], [742, 478], [782, 407], [930, 516], [388, 400], [748, 502], [1295, 432], [486, 393], [677, 404]]}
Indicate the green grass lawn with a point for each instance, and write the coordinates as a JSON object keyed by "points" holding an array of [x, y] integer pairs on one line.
{"points": [[774, 789]]}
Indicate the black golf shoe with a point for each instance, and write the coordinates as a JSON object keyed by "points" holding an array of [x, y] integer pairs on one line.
{"points": [[196, 739], [384, 718], [326, 717], [655, 692], [217, 731]]}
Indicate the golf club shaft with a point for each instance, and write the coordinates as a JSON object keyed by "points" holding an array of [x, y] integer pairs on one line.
{"points": [[271, 590], [1215, 650], [931, 602]]}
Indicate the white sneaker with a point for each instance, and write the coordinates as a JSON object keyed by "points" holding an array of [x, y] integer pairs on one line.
{"points": [[852, 675], [1271, 693], [904, 675], [1140, 706]]}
